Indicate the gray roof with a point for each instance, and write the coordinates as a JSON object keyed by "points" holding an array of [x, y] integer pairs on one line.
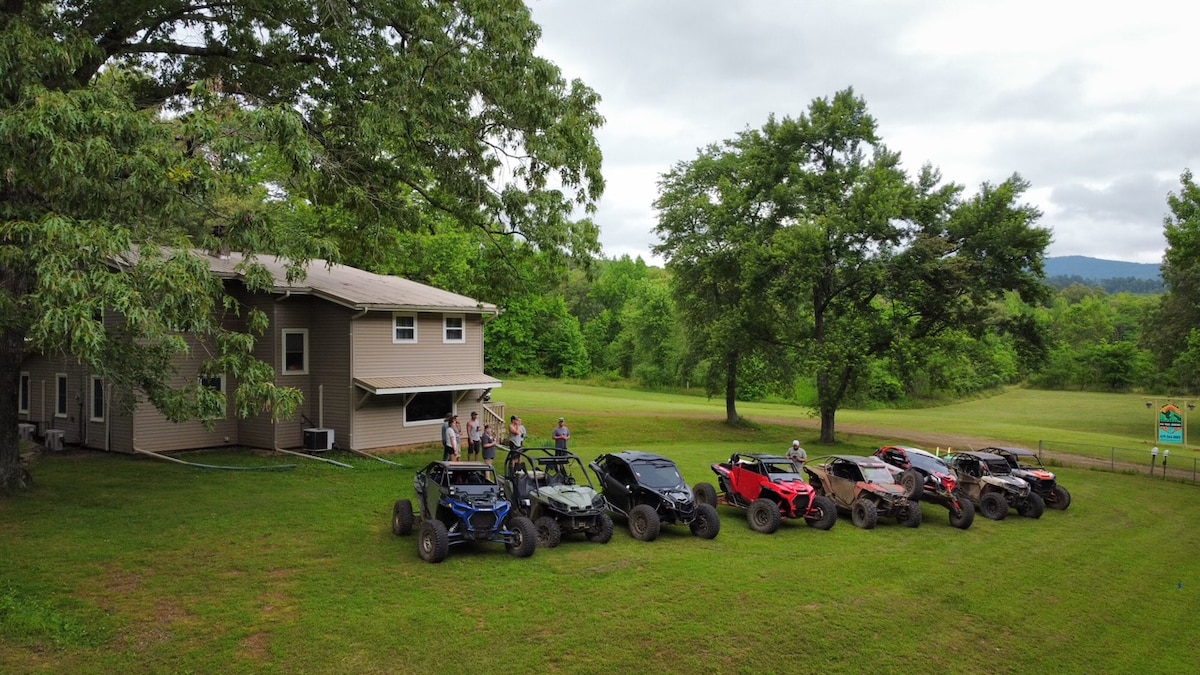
{"points": [[351, 287], [418, 383]]}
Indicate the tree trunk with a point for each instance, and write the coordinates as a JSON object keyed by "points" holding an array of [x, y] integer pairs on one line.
{"points": [[12, 353], [827, 425], [731, 364]]}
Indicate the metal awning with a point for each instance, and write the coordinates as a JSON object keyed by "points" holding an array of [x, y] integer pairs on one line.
{"points": [[416, 384]]}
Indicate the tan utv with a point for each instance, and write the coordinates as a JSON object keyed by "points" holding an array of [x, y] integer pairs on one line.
{"points": [[987, 480]]}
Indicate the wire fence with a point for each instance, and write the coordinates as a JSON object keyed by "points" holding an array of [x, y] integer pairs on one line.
{"points": [[1122, 460]]}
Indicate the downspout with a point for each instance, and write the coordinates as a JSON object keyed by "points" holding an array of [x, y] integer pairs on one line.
{"points": [[277, 356], [350, 397]]}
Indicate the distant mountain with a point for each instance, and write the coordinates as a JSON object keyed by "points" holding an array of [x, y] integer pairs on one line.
{"points": [[1095, 269]]}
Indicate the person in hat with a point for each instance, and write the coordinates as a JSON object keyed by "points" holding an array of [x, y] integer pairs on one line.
{"points": [[561, 435], [796, 452]]}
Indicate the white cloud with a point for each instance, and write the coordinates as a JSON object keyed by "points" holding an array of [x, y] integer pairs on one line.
{"points": [[1095, 104]]}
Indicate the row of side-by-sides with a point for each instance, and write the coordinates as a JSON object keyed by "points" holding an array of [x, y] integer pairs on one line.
{"points": [[538, 496]]}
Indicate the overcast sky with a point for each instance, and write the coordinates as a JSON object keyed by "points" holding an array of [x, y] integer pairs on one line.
{"points": [[1096, 104]]}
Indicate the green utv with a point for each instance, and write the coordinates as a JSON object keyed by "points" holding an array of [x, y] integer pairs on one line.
{"points": [[554, 489]]}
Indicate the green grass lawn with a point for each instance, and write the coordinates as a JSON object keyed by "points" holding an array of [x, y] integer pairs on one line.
{"points": [[115, 563]]}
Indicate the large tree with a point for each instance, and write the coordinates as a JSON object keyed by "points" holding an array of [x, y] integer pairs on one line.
{"points": [[289, 128], [837, 254], [711, 225], [1173, 331]]}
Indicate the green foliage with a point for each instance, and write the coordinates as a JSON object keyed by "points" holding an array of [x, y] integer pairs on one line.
{"points": [[806, 237], [1095, 342], [1170, 327], [536, 336]]}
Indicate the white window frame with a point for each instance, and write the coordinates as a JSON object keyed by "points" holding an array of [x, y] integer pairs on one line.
{"points": [[96, 381], [446, 339], [396, 316], [283, 353], [24, 393], [62, 392], [206, 381]]}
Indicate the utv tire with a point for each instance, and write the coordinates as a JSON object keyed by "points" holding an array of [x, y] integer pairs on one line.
{"points": [[826, 516], [763, 516], [913, 483], [705, 493], [549, 534], [524, 537], [707, 523], [864, 514], [644, 523], [965, 515], [993, 506], [601, 531], [1060, 499], [402, 518], [1032, 507], [433, 541], [909, 516]]}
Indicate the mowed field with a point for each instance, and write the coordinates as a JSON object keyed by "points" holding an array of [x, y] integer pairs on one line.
{"points": [[120, 564]]}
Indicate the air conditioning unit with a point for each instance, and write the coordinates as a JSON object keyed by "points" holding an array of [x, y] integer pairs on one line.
{"points": [[318, 439]]}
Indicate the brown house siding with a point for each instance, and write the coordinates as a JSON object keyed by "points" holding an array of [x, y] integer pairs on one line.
{"points": [[328, 396], [152, 431], [375, 355], [379, 420]]}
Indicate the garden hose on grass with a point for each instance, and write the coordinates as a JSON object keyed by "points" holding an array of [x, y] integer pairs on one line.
{"points": [[274, 467]]}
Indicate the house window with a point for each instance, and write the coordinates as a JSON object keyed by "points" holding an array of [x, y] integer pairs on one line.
{"points": [[404, 328], [215, 383], [60, 395], [23, 395], [97, 399], [454, 329], [428, 406], [295, 352]]}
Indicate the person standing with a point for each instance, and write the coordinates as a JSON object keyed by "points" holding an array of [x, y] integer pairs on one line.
{"points": [[796, 452], [474, 427], [561, 435], [487, 444], [449, 447], [515, 438]]}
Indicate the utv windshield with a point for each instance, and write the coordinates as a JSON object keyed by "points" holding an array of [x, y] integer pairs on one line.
{"points": [[998, 467], [657, 475], [878, 475], [782, 471], [927, 463]]}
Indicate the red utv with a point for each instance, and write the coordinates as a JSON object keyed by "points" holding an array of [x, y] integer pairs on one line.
{"points": [[924, 475], [770, 488]]}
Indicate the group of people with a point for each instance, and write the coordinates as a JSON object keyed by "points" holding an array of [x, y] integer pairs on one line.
{"points": [[517, 434], [481, 441]]}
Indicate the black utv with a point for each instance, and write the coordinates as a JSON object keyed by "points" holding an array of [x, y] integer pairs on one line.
{"points": [[648, 491]]}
